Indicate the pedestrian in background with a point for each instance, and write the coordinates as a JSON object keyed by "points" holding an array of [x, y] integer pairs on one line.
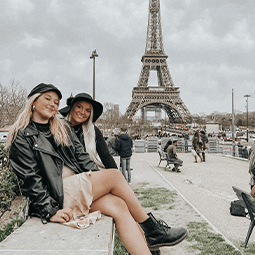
{"points": [[245, 152], [171, 151], [197, 145], [204, 140], [111, 142], [124, 145], [252, 165], [186, 145]]}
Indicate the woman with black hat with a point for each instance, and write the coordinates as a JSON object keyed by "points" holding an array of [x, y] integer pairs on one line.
{"points": [[63, 183], [82, 111]]}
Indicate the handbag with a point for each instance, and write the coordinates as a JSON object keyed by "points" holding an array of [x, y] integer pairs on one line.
{"points": [[193, 152], [237, 208], [206, 146]]}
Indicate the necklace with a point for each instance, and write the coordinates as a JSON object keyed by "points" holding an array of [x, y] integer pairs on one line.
{"points": [[76, 131], [46, 133]]}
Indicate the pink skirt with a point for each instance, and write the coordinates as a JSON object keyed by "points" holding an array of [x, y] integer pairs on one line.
{"points": [[78, 196]]}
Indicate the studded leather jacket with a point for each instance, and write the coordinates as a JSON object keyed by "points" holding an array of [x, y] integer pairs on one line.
{"points": [[34, 160]]}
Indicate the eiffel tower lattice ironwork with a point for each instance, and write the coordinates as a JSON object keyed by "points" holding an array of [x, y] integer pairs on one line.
{"points": [[165, 96]]}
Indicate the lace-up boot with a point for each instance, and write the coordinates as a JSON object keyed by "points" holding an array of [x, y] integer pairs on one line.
{"points": [[159, 234]]}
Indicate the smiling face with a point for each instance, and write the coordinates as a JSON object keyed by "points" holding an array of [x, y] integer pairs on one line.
{"points": [[80, 112], [45, 107]]}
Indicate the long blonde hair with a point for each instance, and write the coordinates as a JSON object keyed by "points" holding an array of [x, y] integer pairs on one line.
{"points": [[89, 137], [57, 127]]}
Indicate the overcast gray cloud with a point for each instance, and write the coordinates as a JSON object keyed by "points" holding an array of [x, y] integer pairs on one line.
{"points": [[210, 47]]}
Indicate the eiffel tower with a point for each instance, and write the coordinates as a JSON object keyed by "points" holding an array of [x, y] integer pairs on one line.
{"points": [[164, 96]]}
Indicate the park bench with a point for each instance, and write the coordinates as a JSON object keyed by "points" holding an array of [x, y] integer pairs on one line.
{"points": [[249, 202], [163, 156], [33, 237]]}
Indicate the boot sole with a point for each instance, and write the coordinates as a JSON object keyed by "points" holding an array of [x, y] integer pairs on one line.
{"points": [[155, 247]]}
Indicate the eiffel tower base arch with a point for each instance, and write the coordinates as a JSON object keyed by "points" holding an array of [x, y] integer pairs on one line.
{"points": [[167, 100]]}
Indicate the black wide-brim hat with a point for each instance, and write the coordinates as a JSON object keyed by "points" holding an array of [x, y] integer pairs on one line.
{"points": [[97, 107], [42, 88]]}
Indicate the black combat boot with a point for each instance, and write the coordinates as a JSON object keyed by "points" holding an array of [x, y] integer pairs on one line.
{"points": [[176, 169], [159, 234]]}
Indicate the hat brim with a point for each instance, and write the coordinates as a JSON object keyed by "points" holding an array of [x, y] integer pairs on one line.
{"points": [[42, 88], [97, 107]]}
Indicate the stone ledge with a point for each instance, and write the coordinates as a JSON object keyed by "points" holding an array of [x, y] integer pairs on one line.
{"points": [[33, 237]]}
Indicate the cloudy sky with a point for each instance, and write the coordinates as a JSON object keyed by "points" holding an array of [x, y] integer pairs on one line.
{"points": [[210, 47]]}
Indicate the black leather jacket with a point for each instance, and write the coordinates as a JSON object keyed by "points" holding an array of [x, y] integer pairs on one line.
{"points": [[36, 162]]}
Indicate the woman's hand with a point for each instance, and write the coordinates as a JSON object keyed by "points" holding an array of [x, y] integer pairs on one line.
{"points": [[62, 216], [253, 191]]}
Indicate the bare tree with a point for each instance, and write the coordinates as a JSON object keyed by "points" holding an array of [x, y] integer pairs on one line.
{"points": [[12, 102], [110, 119], [3, 100]]}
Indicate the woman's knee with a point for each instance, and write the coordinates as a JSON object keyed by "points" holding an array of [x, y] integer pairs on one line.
{"points": [[108, 175], [119, 205], [115, 173], [111, 205]]}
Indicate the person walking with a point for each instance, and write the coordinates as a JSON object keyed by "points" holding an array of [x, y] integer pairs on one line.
{"points": [[171, 151], [186, 145], [204, 140], [124, 145], [252, 165], [64, 184], [197, 146]]}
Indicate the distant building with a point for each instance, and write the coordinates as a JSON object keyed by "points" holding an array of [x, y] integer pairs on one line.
{"points": [[212, 128]]}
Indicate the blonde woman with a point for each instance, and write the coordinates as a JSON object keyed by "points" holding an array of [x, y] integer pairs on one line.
{"points": [[82, 112], [63, 183]]}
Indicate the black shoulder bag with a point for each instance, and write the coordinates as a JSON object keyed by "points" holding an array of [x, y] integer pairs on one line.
{"points": [[237, 208]]}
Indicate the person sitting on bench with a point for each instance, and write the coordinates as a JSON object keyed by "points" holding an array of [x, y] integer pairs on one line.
{"points": [[171, 151]]}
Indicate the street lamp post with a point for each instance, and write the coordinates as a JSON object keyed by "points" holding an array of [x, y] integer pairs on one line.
{"points": [[247, 116], [94, 55], [233, 125]]}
